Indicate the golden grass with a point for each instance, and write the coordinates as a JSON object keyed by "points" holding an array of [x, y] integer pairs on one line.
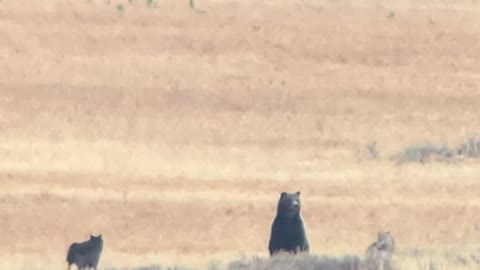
{"points": [[172, 133]]}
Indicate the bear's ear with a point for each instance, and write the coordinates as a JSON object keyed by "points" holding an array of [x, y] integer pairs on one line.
{"points": [[283, 194], [298, 193], [100, 236]]}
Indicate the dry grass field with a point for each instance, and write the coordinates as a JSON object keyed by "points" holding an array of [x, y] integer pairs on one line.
{"points": [[172, 133]]}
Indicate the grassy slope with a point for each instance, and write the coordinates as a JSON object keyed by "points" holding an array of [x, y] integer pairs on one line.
{"points": [[173, 133]]}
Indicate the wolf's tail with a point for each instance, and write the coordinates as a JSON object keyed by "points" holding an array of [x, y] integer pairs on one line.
{"points": [[71, 254]]}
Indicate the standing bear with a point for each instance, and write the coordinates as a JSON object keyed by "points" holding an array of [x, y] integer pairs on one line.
{"points": [[288, 230]]}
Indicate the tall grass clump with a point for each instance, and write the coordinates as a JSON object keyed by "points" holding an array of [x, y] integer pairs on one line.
{"points": [[470, 148], [422, 153], [300, 262], [152, 267]]}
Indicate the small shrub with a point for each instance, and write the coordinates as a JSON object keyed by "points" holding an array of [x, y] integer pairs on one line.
{"points": [[192, 6], [470, 148], [391, 15], [475, 258], [151, 3], [372, 149], [120, 8], [368, 151]]}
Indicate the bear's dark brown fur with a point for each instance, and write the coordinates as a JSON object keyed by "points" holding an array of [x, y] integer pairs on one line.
{"points": [[288, 229]]}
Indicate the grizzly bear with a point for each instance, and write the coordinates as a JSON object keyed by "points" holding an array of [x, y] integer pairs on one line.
{"points": [[288, 229]]}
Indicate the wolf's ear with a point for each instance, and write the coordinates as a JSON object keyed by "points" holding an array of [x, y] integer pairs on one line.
{"points": [[283, 194], [298, 193], [100, 236]]}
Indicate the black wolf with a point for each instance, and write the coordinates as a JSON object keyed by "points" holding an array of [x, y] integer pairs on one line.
{"points": [[85, 254]]}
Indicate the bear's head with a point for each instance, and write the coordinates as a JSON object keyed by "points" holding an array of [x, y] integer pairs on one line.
{"points": [[289, 204]]}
